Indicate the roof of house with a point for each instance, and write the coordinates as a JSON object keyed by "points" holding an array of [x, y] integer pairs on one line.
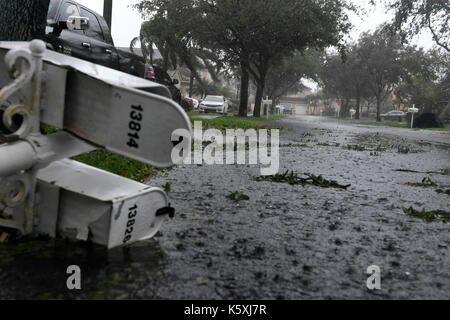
{"points": [[184, 74], [293, 100]]}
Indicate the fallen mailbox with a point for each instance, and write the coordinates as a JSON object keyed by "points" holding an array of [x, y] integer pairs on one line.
{"points": [[107, 109], [103, 207]]}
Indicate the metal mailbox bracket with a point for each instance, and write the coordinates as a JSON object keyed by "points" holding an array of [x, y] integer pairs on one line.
{"points": [[33, 189]]}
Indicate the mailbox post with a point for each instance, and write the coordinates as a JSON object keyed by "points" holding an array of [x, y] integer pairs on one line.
{"points": [[413, 111], [94, 108], [266, 105]]}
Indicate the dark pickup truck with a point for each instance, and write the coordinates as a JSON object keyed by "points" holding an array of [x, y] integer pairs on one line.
{"points": [[94, 43]]}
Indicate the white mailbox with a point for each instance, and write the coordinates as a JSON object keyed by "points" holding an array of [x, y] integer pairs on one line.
{"points": [[413, 110], [266, 106], [124, 114], [97, 108], [98, 206]]}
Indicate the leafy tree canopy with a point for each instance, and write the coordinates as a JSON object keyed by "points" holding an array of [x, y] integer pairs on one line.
{"points": [[412, 16]]}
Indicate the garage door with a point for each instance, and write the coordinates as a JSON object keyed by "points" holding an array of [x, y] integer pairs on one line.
{"points": [[300, 109]]}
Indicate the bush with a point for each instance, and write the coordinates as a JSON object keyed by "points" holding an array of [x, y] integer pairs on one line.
{"points": [[427, 120], [445, 114]]}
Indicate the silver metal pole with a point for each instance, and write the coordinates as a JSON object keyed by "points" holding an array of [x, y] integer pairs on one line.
{"points": [[16, 157], [37, 48]]}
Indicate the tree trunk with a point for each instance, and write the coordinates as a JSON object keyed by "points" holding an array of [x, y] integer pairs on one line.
{"points": [[274, 103], [238, 89], [261, 83], [107, 12], [358, 108], [245, 81], [165, 64], [344, 108], [378, 108], [259, 97], [191, 85], [23, 20]]}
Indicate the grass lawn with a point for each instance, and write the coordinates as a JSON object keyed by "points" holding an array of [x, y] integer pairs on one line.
{"points": [[371, 121], [233, 122], [119, 165], [141, 172], [194, 113], [112, 163], [445, 128], [396, 124]]}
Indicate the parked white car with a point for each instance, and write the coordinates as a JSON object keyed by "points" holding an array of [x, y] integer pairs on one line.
{"points": [[394, 116], [217, 104]]}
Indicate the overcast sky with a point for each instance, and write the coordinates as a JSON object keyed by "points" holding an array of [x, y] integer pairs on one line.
{"points": [[127, 22]]}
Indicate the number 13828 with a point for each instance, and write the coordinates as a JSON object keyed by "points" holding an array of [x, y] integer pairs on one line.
{"points": [[132, 213]]}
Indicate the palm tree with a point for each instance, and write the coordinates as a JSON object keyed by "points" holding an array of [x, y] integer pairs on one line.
{"points": [[177, 52], [146, 42]]}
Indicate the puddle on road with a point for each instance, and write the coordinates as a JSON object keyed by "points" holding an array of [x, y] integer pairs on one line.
{"points": [[36, 269]]}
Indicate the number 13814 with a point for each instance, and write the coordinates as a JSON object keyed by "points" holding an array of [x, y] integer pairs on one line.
{"points": [[135, 126]]}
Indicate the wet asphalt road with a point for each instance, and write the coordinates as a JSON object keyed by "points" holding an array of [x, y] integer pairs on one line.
{"points": [[286, 242]]}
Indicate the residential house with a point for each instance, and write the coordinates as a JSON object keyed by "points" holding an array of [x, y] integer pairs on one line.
{"points": [[183, 75], [298, 102]]}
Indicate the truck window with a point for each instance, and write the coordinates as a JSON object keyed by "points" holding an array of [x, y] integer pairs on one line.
{"points": [[94, 31], [52, 7], [68, 9]]}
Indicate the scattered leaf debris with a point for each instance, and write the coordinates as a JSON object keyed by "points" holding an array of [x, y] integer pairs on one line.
{"points": [[404, 149], [167, 187], [428, 216], [236, 196], [443, 191], [426, 182], [310, 179], [443, 172], [355, 147]]}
